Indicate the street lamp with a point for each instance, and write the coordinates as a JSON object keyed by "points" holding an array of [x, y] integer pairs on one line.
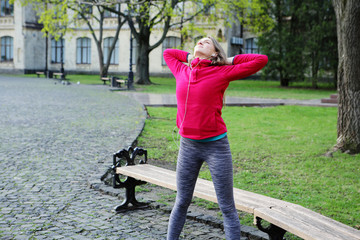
{"points": [[131, 74], [131, 26]]}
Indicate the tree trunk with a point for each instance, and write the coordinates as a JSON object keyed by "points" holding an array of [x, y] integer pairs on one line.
{"points": [[101, 59], [142, 65], [348, 32], [143, 38], [283, 81], [314, 69]]}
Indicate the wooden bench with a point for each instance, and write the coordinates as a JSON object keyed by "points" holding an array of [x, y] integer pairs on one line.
{"points": [[61, 79], [56, 74], [40, 73], [105, 79], [121, 81], [282, 216], [117, 80]]}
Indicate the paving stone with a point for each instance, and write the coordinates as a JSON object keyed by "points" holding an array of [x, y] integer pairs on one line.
{"points": [[54, 140]]}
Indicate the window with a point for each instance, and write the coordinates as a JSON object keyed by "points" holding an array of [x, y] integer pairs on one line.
{"points": [[115, 54], [6, 9], [170, 42], [83, 50], [56, 47], [251, 46], [7, 49]]}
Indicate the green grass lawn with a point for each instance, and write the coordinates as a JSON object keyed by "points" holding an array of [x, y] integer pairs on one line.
{"points": [[75, 78], [278, 152]]}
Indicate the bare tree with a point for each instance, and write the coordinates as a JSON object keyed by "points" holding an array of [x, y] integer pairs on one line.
{"points": [[145, 16], [81, 8]]}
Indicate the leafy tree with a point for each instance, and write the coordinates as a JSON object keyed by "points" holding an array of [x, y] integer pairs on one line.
{"points": [[82, 10], [348, 33], [299, 43], [276, 43], [318, 17], [146, 16], [254, 15]]}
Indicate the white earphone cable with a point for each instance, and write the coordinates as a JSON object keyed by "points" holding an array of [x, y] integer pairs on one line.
{"points": [[186, 100]]}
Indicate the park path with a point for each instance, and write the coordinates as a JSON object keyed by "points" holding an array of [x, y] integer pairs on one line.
{"points": [[53, 138]]}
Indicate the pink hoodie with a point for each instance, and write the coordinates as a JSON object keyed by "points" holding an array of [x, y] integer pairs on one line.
{"points": [[199, 102]]}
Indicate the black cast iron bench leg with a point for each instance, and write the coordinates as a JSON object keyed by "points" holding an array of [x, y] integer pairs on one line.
{"points": [[130, 183], [130, 197], [274, 232]]}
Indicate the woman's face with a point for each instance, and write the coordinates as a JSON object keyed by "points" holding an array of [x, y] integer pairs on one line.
{"points": [[204, 48]]}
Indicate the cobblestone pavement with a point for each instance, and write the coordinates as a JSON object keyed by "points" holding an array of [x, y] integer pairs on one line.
{"points": [[52, 138]]}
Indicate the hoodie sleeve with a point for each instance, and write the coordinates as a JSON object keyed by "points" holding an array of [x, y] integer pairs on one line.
{"points": [[175, 59], [245, 65]]}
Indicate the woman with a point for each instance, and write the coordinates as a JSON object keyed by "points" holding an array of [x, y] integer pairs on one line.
{"points": [[200, 88]]}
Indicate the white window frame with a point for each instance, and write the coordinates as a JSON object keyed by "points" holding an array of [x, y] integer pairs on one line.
{"points": [[115, 54], [56, 50], [83, 50], [7, 49]]}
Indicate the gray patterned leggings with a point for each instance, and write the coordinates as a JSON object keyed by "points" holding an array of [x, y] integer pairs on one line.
{"points": [[218, 157]]}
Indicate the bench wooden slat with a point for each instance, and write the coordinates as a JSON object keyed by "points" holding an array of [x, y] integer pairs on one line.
{"points": [[166, 178], [344, 230], [248, 201], [307, 226], [244, 200], [151, 174]]}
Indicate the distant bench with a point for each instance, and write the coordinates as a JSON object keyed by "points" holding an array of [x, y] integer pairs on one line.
{"points": [[40, 73], [120, 81], [105, 79], [117, 80], [282, 216], [62, 78], [56, 74]]}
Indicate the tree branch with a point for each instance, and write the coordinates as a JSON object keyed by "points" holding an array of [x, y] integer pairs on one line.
{"points": [[106, 3]]}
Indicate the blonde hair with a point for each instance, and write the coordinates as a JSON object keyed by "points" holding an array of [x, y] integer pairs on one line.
{"points": [[220, 58]]}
